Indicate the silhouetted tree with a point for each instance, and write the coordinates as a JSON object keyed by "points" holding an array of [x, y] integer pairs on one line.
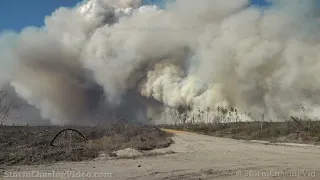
{"points": [[6, 107]]}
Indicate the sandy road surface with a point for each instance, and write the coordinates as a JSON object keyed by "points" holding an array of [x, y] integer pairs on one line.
{"points": [[201, 157]]}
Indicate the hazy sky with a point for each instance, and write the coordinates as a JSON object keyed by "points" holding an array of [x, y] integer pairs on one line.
{"points": [[17, 14]]}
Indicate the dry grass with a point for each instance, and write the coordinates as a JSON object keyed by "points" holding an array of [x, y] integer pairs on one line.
{"points": [[270, 131], [24, 145], [227, 123]]}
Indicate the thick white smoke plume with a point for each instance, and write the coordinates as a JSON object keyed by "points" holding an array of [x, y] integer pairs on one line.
{"points": [[117, 56]]}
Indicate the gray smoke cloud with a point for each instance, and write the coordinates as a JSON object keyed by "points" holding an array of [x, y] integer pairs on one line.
{"points": [[106, 57]]}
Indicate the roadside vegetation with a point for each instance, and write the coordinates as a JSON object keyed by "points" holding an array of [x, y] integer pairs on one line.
{"points": [[25, 145], [228, 124]]}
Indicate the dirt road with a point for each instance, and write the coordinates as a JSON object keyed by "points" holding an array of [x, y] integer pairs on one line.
{"points": [[200, 157]]}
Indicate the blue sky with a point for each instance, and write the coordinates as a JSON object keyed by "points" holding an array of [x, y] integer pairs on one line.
{"points": [[17, 14]]}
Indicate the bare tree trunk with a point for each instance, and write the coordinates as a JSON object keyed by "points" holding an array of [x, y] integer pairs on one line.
{"points": [[262, 120], [6, 107]]}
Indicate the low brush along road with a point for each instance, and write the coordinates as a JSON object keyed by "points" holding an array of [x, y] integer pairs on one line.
{"points": [[203, 157]]}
